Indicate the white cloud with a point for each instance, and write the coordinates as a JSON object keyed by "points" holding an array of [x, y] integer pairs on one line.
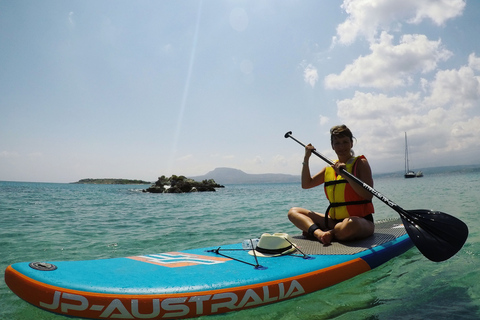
{"points": [[186, 157], [443, 121], [324, 120], [393, 111], [71, 19], [279, 161], [367, 17], [460, 88], [440, 111], [437, 11], [258, 160], [310, 75], [239, 19], [9, 154], [246, 66], [389, 65], [168, 48], [35, 155], [474, 62]]}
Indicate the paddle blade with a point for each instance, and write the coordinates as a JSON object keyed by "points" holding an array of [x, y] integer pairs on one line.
{"points": [[437, 235]]}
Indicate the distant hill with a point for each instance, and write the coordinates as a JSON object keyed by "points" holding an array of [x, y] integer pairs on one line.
{"points": [[235, 176]]}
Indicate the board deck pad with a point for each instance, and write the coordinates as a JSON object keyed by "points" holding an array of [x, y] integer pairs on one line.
{"points": [[385, 231]]}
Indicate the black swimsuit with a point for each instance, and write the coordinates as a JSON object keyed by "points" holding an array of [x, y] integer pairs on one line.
{"points": [[367, 217]]}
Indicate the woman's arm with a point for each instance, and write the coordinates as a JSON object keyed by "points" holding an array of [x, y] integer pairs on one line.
{"points": [[307, 180]]}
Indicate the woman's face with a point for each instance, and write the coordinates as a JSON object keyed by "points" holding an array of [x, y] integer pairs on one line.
{"points": [[342, 146]]}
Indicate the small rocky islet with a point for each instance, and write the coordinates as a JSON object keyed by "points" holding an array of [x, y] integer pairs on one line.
{"points": [[182, 184]]}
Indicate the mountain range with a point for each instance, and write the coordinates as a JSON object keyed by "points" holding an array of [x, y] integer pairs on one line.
{"points": [[236, 176]]}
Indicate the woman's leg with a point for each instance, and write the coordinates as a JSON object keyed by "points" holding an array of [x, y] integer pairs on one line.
{"points": [[353, 228], [304, 219]]}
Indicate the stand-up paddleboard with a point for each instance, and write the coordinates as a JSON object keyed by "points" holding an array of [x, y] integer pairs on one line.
{"points": [[198, 282]]}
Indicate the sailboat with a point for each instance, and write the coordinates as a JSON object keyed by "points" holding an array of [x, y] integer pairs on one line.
{"points": [[408, 172]]}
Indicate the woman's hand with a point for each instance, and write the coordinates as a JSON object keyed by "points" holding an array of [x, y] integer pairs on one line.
{"points": [[308, 151], [338, 166]]}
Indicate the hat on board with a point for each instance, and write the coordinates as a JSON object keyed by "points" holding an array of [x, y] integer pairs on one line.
{"points": [[273, 245]]}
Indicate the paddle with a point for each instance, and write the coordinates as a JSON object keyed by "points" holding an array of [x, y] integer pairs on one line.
{"points": [[436, 234]]}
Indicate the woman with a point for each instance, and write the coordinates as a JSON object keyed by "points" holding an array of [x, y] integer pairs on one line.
{"points": [[349, 215]]}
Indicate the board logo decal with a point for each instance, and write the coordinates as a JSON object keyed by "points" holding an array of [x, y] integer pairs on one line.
{"points": [[165, 306], [179, 259]]}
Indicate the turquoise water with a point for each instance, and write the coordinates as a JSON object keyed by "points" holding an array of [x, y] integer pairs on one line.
{"points": [[48, 222]]}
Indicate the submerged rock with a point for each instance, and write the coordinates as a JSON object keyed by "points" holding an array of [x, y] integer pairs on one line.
{"points": [[181, 184]]}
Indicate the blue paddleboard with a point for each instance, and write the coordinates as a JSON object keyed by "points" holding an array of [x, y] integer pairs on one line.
{"points": [[198, 282]]}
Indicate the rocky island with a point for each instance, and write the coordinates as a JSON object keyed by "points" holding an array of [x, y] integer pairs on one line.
{"points": [[182, 184]]}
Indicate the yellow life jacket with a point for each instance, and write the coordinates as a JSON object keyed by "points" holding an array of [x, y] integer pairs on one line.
{"points": [[344, 201]]}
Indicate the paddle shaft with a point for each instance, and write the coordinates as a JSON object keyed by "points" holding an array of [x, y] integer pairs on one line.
{"points": [[344, 172]]}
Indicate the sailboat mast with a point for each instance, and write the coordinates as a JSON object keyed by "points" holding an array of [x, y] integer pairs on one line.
{"points": [[406, 154], [408, 173]]}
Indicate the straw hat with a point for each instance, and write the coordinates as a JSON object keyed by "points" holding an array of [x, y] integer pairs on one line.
{"points": [[273, 245]]}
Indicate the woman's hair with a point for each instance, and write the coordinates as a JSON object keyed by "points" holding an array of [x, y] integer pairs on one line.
{"points": [[340, 132]]}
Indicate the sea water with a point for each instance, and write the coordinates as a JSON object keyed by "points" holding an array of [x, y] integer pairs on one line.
{"points": [[48, 222]]}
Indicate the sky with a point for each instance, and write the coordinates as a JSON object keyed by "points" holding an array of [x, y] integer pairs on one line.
{"points": [[140, 89]]}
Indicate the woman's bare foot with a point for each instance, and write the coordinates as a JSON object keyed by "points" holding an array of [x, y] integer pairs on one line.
{"points": [[324, 237]]}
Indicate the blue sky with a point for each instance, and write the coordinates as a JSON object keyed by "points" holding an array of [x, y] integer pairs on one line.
{"points": [[139, 89]]}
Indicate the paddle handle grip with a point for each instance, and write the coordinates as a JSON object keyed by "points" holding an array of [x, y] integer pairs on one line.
{"points": [[344, 172], [330, 162]]}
